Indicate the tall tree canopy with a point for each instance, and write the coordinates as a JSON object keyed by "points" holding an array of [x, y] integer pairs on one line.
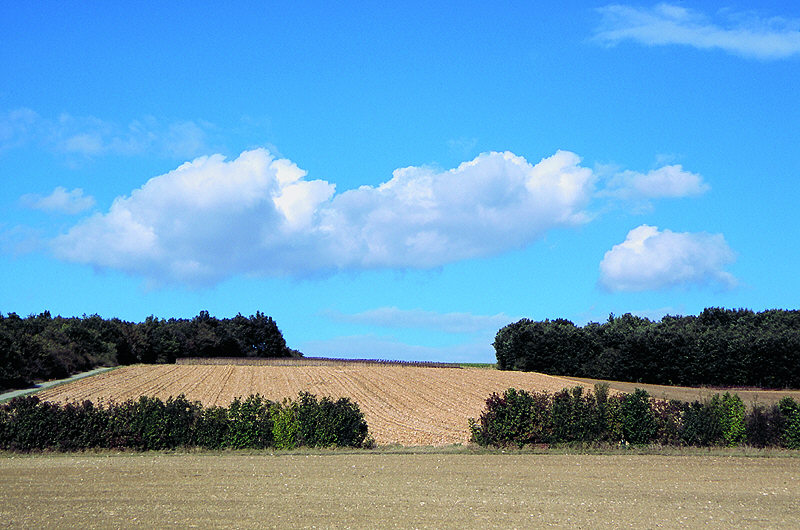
{"points": [[45, 347], [725, 347]]}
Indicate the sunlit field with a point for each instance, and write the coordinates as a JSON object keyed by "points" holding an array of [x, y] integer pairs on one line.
{"points": [[412, 490], [402, 404]]}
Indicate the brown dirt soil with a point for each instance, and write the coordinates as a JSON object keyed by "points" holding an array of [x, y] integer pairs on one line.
{"points": [[369, 490], [402, 404]]}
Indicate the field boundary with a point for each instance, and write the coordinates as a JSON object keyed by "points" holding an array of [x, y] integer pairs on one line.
{"points": [[466, 449], [50, 384], [307, 361], [749, 395]]}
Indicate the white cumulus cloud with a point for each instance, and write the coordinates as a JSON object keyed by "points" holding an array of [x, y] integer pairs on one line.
{"points": [[426, 218], [212, 218], [744, 34], [665, 182], [652, 259], [202, 221], [60, 201]]}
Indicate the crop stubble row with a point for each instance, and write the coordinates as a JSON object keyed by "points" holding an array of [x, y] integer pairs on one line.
{"points": [[402, 404]]}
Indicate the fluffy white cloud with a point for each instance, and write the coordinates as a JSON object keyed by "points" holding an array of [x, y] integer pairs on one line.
{"points": [[60, 200], [425, 218], [392, 317], [665, 182], [202, 221], [211, 218], [652, 259], [739, 33]]}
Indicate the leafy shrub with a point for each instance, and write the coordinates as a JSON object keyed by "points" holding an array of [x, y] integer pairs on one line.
{"points": [[702, 424], [122, 419], [149, 423], [324, 422], [764, 426], [5, 426], [611, 410], [515, 418], [575, 417], [27, 424], [731, 415], [638, 420], [790, 409], [608, 417], [667, 415], [519, 418], [211, 429], [80, 426], [285, 425], [30, 423], [719, 421], [250, 423]]}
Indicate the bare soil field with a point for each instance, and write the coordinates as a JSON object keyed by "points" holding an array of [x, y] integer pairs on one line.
{"points": [[407, 405], [369, 490]]}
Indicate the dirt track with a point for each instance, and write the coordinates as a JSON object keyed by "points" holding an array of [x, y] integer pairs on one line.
{"points": [[402, 404]]}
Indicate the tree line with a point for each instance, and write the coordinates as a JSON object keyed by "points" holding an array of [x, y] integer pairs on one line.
{"points": [[719, 347], [41, 347]]}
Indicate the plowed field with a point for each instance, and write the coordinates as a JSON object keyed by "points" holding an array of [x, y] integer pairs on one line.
{"points": [[402, 404]]}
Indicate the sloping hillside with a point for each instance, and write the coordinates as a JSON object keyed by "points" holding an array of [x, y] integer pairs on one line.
{"points": [[402, 404]]}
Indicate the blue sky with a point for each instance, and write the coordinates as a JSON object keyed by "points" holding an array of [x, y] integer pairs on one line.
{"points": [[399, 180]]}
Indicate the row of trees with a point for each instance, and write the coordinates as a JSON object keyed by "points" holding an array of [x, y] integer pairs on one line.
{"points": [[519, 418], [28, 424], [43, 347], [723, 347]]}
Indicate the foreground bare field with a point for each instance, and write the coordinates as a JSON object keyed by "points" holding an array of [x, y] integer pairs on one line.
{"points": [[402, 404], [366, 489]]}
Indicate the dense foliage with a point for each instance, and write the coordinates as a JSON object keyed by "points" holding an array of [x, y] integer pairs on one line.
{"points": [[721, 347], [28, 424], [45, 347], [519, 418]]}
